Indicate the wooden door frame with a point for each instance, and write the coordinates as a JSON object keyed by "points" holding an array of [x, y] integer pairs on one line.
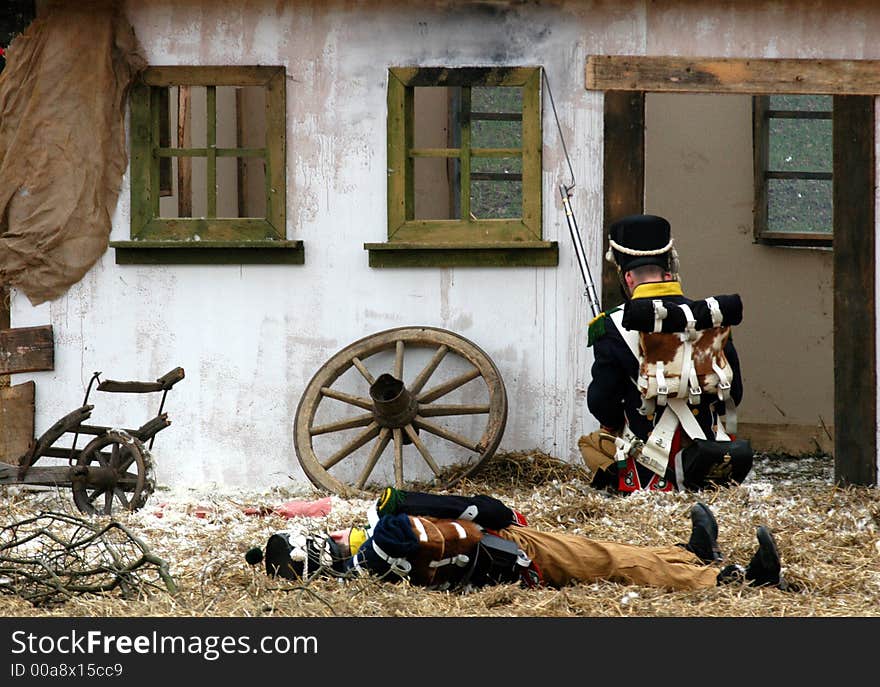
{"points": [[854, 85]]}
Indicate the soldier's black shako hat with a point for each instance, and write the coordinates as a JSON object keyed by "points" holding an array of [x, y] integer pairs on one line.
{"points": [[640, 240]]}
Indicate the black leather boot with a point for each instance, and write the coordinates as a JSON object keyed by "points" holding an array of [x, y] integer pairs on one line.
{"points": [[704, 535], [764, 568]]}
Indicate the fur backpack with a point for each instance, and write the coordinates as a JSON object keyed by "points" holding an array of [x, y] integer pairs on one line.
{"points": [[680, 350]]}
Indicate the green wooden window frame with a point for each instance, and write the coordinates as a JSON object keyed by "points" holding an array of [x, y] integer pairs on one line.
{"points": [[775, 128], [464, 241], [208, 239]]}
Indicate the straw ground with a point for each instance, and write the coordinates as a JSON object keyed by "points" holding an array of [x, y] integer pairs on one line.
{"points": [[827, 535]]}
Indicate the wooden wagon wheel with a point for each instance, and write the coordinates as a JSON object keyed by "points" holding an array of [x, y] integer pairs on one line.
{"points": [[394, 413], [129, 489]]}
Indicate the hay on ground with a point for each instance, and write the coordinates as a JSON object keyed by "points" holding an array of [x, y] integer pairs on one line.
{"points": [[828, 537]]}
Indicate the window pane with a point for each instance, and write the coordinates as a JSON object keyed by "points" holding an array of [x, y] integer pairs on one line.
{"points": [[436, 187], [188, 117], [437, 124], [803, 145], [496, 99], [811, 103], [799, 205], [496, 117], [241, 187], [496, 188], [241, 117], [190, 199]]}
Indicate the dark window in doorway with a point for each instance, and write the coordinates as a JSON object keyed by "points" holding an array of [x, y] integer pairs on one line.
{"points": [[793, 155]]}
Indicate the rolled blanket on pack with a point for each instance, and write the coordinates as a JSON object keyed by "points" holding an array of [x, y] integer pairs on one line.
{"points": [[485, 511], [391, 544], [642, 314]]}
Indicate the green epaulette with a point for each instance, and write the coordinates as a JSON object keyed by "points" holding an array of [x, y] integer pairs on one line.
{"points": [[390, 500], [596, 328]]}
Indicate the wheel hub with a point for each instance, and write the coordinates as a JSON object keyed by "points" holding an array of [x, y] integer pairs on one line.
{"points": [[393, 405]]}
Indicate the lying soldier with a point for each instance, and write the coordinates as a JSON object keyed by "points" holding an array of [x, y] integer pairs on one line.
{"points": [[457, 542]]}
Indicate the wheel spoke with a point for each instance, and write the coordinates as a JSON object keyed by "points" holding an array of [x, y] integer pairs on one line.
{"points": [[358, 401], [108, 502], [120, 495], [434, 411], [398, 361], [378, 448], [363, 370], [95, 494], [398, 458], [114, 455], [361, 439], [350, 423], [446, 434], [123, 466], [428, 370], [414, 437], [446, 387]]}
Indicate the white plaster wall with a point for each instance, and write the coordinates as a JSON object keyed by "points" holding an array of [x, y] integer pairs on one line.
{"points": [[250, 337]]}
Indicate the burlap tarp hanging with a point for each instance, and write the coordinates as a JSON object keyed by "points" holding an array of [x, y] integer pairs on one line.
{"points": [[62, 143]]}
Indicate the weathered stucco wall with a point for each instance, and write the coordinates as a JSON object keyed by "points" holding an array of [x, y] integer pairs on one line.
{"points": [[250, 337]]}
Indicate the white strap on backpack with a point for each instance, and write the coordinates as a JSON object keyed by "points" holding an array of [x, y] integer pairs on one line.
{"points": [[655, 452]]}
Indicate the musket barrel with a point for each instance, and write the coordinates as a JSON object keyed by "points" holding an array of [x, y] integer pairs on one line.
{"points": [[573, 230]]}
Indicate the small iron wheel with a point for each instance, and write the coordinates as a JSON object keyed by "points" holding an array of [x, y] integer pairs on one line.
{"points": [[132, 469], [394, 378]]}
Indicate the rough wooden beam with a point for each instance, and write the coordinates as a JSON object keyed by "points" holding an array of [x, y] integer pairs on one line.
{"points": [[855, 361], [624, 175], [732, 75], [16, 421], [5, 319], [27, 349]]}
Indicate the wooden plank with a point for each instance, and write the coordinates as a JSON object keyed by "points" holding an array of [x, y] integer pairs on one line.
{"points": [[27, 349], [463, 76], [5, 321], [208, 75], [396, 151], [624, 174], [184, 164], [141, 156], [166, 184], [465, 157], [532, 143], [486, 231], [534, 254], [276, 158], [760, 163], [855, 363], [16, 421], [732, 75], [788, 439], [212, 151], [209, 253]]}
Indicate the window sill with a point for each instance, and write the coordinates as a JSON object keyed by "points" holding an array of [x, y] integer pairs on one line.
{"points": [[795, 240], [511, 254], [209, 252]]}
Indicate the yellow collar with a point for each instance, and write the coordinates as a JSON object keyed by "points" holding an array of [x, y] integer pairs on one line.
{"points": [[659, 288]]}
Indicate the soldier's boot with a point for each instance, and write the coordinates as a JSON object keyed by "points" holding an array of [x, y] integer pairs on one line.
{"points": [[704, 535], [764, 569]]}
